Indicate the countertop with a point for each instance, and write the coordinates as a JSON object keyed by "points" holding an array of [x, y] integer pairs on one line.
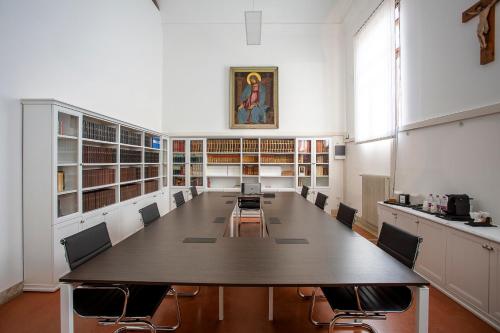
{"points": [[489, 233]]}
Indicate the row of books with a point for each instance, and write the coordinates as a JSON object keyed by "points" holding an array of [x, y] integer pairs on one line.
{"points": [[223, 145], [223, 158], [98, 177], [130, 156], [179, 158], [321, 146], [98, 131], [150, 186], [129, 174], [152, 141], [322, 159], [179, 181], [304, 170], [250, 159], [288, 172], [277, 158], [251, 170], [130, 137], [178, 170], [130, 191], [197, 159], [304, 158], [322, 170], [151, 171], [98, 199], [277, 145], [197, 170], [151, 157], [97, 154], [179, 146], [197, 146], [304, 146], [250, 145]]}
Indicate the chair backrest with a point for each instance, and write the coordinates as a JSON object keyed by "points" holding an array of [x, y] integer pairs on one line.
{"points": [[150, 213], [346, 215], [305, 191], [179, 199], [249, 202], [194, 191], [321, 200], [85, 245], [400, 244]]}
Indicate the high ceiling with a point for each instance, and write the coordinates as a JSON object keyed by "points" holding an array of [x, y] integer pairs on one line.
{"points": [[273, 11]]}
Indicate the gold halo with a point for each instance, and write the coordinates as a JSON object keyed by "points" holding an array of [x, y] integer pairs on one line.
{"points": [[257, 75]]}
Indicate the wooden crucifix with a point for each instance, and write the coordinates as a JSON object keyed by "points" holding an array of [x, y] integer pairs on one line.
{"points": [[485, 9]]}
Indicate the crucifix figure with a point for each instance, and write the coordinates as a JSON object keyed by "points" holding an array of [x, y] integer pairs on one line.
{"points": [[485, 9]]}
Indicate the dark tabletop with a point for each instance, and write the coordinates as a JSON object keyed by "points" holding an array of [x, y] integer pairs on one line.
{"points": [[327, 253]]}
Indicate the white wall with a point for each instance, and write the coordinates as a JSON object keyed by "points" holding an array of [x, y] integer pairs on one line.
{"points": [[442, 75], [368, 158], [202, 41], [103, 55]]}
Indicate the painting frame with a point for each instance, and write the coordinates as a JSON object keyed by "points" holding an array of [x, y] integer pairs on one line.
{"points": [[233, 108]]}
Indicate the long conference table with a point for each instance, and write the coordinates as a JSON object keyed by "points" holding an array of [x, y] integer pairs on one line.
{"points": [[304, 246]]}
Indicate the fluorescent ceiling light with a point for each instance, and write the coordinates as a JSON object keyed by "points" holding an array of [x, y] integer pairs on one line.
{"points": [[253, 24]]}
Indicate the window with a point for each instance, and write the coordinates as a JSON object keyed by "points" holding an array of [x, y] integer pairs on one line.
{"points": [[374, 75]]}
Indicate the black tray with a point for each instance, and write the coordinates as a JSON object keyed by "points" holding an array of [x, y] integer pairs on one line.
{"points": [[484, 224]]}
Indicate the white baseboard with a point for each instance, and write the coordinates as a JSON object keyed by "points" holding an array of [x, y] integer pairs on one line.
{"points": [[46, 288], [11, 293]]}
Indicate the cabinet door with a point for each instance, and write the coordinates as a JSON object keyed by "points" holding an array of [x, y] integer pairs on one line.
{"points": [[467, 268], [179, 162], [495, 280], [93, 220], [131, 218], [61, 231], [304, 164], [407, 222], [321, 163], [196, 162], [386, 215], [431, 259], [113, 220], [163, 203]]}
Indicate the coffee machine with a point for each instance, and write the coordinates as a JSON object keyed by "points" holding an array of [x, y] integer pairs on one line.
{"points": [[458, 207]]}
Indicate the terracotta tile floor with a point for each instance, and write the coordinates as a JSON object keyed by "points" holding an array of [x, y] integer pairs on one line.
{"points": [[245, 311]]}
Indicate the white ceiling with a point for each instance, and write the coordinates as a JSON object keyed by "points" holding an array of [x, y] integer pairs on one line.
{"points": [[273, 11]]}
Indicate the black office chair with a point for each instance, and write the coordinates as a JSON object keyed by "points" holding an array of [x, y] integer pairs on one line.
{"points": [[373, 302], [150, 213], [129, 305], [305, 191], [194, 191], [346, 215], [251, 203], [321, 200], [179, 199]]}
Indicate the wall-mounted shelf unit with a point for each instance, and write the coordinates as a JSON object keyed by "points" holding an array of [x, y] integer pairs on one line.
{"points": [[79, 169]]}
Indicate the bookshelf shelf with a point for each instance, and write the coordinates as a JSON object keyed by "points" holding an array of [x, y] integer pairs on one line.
{"points": [[154, 149], [67, 137], [130, 146], [100, 141], [152, 178], [155, 163], [67, 192], [99, 164], [86, 189], [67, 164], [131, 182]]}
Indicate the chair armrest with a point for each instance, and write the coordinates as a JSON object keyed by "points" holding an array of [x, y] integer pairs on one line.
{"points": [[121, 287]]}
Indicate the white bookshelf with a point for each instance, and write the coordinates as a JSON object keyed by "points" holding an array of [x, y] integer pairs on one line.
{"points": [[71, 155]]}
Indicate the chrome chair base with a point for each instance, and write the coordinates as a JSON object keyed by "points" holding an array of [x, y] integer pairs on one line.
{"points": [[313, 296], [357, 323], [142, 324]]}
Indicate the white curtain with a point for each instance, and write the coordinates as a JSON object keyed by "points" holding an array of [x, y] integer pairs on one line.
{"points": [[374, 76]]}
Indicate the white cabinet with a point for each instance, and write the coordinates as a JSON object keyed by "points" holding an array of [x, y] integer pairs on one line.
{"points": [[92, 220], [113, 219], [495, 280], [385, 215], [407, 222], [61, 231], [163, 202], [431, 259], [467, 268]]}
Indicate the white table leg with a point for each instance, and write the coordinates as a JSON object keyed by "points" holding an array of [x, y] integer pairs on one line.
{"points": [[422, 304], [66, 295], [221, 303], [271, 304]]}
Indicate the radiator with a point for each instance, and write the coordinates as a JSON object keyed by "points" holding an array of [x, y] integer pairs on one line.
{"points": [[374, 188]]}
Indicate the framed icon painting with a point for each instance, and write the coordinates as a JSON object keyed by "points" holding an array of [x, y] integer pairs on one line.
{"points": [[253, 101]]}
